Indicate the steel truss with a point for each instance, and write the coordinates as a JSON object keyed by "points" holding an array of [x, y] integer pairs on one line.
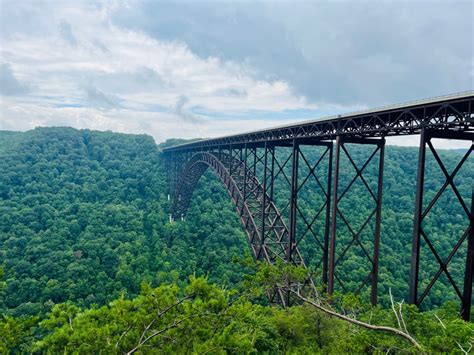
{"points": [[269, 236], [421, 213], [258, 166], [444, 113], [304, 163], [335, 259]]}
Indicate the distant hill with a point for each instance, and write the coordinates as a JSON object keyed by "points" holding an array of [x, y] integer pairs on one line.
{"points": [[84, 217]]}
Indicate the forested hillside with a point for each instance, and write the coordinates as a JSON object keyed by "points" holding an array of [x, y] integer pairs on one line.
{"points": [[84, 221], [84, 217]]}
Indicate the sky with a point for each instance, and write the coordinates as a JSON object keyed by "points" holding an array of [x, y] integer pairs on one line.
{"points": [[204, 69]]}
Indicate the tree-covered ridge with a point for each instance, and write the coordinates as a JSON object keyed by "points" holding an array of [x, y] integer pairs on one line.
{"points": [[84, 222], [83, 218]]}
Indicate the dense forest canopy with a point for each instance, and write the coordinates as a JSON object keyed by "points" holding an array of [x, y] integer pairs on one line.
{"points": [[84, 222], [84, 217]]}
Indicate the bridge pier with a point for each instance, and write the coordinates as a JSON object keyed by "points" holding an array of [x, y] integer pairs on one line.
{"points": [[469, 271], [293, 198], [421, 213], [335, 259]]}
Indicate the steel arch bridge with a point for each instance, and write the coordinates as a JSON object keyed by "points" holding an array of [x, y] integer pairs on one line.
{"points": [[250, 165]]}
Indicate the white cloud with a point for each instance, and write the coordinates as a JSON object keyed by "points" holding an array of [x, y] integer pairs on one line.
{"points": [[9, 83], [71, 64], [65, 31], [86, 72], [161, 125]]}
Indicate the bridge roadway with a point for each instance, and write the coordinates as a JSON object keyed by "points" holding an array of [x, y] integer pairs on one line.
{"points": [[249, 164], [453, 113]]}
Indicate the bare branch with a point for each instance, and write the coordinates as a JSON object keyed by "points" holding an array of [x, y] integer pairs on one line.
{"points": [[393, 308], [159, 332], [400, 305], [394, 331], [440, 321], [160, 314], [122, 335], [462, 348]]}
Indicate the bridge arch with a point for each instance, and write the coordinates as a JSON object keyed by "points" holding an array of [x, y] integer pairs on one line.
{"points": [[248, 200], [248, 207], [268, 237], [190, 175]]}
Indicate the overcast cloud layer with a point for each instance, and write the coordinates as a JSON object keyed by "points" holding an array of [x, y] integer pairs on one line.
{"points": [[191, 69]]}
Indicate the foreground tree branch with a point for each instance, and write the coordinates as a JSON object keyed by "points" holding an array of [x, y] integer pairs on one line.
{"points": [[175, 324], [161, 313], [382, 328]]}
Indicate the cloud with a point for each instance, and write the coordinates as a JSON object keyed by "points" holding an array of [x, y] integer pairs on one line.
{"points": [[192, 69], [97, 43], [99, 99], [104, 66], [363, 52], [9, 84], [65, 31], [183, 113], [232, 92], [131, 81]]}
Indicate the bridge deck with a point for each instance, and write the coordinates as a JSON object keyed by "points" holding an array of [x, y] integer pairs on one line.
{"points": [[453, 113]]}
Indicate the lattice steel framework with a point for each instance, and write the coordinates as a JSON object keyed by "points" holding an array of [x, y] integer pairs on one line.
{"points": [[376, 212], [257, 165], [421, 213], [452, 112]]}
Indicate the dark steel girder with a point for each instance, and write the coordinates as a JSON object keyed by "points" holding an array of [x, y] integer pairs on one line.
{"points": [[422, 212], [270, 238], [451, 113], [337, 214], [238, 161]]}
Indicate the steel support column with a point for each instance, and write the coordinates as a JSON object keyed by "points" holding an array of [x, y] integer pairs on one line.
{"points": [[415, 246], [293, 200], [469, 271], [264, 199], [377, 211], [327, 228], [272, 173], [231, 155], [421, 213], [332, 243], [378, 218], [246, 154]]}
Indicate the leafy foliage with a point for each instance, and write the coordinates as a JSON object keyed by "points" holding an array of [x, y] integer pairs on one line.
{"points": [[88, 258], [83, 217]]}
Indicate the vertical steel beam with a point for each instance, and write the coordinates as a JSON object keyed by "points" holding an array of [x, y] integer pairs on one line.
{"points": [[415, 246], [245, 171], [272, 172], [332, 246], [176, 172], [327, 228], [231, 156], [469, 271], [255, 161], [169, 175], [264, 199], [293, 200], [378, 217]]}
